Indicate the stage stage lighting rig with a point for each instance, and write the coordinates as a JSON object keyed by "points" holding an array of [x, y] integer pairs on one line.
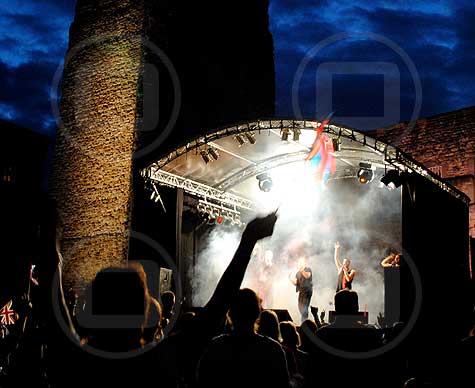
{"points": [[213, 152], [240, 139], [296, 134], [285, 133], [265, 182], [392, 179], [251, 137], [365, 173], [204, 154]]}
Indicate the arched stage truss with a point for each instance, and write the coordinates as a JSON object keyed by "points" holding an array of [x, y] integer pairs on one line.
{"points": [[221, 181]]}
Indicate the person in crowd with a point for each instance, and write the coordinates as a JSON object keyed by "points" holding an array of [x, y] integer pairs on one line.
{"points": [[307, 330], [167, 299], [243, 358], [268, 325], [298, 358], [179, 353]]}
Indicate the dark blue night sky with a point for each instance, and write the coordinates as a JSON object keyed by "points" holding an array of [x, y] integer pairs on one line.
{"points": [[437, 37]]}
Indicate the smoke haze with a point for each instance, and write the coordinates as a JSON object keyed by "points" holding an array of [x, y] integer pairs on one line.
{"points": [[364, 219]]}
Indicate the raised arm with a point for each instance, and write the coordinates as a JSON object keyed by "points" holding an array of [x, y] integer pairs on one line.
{"points": [[337, 255], [292, 279], [387, 262], [231, 280]]}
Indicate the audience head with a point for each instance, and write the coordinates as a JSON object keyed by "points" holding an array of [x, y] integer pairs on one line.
{"points": [[122, 292], [185, 322], [244, 310], [167, 300], [290, 335], [268, 325], [346, 302], [307, 329]]}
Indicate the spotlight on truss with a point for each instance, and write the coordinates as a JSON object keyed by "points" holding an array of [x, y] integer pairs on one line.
{"points": [[213, 152], [392, 179], [365, 173], [296, 134], [336, 144], [265, 182], [284, 133], [240, 139], [251, 137], [204, 154]]}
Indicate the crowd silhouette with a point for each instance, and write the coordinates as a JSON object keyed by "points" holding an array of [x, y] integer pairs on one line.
{"points": [[118, 335]]}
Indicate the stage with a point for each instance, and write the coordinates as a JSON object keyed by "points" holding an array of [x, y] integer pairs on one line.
{"points": [[209, 187]]}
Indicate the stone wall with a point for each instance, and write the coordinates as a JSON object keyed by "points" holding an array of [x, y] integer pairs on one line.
{"points": [[96, 138], [222, 54], [445, 144]]}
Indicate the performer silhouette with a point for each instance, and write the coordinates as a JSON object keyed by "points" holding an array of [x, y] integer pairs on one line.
{"points": [[304, 286], [345, 273]]}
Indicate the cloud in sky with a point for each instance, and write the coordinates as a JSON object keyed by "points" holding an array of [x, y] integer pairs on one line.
{"points": [[437, 37], [33, 41]]}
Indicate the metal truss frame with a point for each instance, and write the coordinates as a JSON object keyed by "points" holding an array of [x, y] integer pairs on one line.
{"points": [[199, 189], [392, 156]]}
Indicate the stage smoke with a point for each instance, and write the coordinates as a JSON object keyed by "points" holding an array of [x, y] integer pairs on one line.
{"points": [[363, 218]]}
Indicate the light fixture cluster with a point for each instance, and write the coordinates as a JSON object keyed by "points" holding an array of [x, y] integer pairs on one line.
{"points": [[209, 154], [219, 214], [246, 137], [392, 179]]}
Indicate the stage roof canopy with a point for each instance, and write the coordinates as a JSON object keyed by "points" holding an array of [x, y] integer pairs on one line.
{"points": [[230, 179]]}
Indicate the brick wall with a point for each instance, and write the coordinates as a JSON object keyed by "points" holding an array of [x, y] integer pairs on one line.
{"points": [[445, 144], [93, 156]]}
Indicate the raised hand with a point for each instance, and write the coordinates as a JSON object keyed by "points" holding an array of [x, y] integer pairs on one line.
{"points": [[337, 245], [260, 227]]}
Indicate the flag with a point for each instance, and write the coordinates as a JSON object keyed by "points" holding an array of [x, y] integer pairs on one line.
{"points": [[322, 153], [7, 315]]}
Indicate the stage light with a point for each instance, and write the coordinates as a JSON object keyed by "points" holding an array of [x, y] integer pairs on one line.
{"points": [[205, 156], [251, 137], [219, 219], [265, 182], [392, 179], [240, 140], [336, 145], [285, 133], [236, 219], [296, 134], [365, 173], [213, 152]]}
